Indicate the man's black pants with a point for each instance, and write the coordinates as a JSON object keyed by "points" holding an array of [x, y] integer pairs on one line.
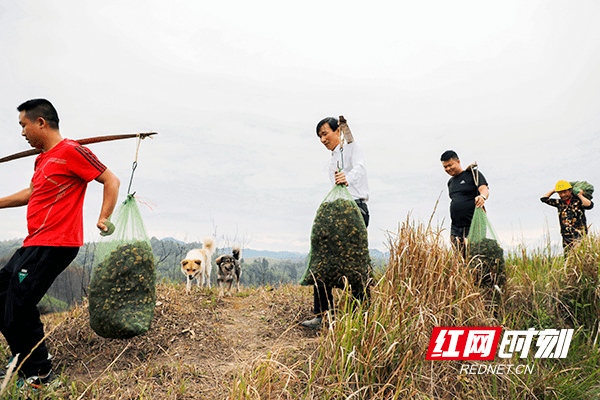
{"points": [[322, 295], [458, 234], [23, 282]]}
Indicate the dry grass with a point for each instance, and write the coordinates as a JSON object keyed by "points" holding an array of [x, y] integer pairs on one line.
{"points": [[250, 346], [195, 347], [377, 350]]}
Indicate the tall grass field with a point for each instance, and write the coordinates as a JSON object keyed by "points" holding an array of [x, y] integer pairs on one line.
{"points": [[377, 349], [199, 344]]}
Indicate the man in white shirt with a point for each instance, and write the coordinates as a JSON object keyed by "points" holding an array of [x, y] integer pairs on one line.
{"points": [[346, 167]]}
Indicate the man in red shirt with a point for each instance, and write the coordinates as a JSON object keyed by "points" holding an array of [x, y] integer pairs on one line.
{"points": [[54, 202]]}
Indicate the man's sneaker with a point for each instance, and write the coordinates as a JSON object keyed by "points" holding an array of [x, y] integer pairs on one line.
{"points": [[315, 323], [49, 381]]}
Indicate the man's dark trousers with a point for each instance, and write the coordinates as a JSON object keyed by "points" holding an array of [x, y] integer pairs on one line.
{"points": [[23, 282]]}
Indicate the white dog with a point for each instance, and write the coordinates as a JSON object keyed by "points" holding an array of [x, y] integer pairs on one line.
{"points": [[197, 265]]}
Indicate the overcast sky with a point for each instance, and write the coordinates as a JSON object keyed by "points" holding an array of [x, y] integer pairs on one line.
{"points": [[235, 90]]}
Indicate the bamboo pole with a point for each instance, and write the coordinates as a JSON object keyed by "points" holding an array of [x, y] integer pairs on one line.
{"points": [[82, 142]]}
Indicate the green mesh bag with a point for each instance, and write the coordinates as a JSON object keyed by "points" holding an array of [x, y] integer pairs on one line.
{"points": [[587, 188], [485, 255], [339, 245], [123, 287]]}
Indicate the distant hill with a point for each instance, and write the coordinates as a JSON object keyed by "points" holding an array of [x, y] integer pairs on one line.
{"points": [[288, 255], [378, 254], [277, 255], [7, 249], [170, 239], [9, 246]]}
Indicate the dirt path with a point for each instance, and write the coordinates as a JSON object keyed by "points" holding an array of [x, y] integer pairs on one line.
{"points": [[251, 327], [244, 328], [196, 347]]}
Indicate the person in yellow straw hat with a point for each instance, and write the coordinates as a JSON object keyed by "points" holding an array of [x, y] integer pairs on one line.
{"points": [[571, 212]]}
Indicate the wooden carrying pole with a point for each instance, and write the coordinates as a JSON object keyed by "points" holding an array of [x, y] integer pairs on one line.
{"points": [[82, 142]]}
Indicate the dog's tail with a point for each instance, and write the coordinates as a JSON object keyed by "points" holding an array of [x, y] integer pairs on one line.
{"points": [[237, 252], [209, 245]]}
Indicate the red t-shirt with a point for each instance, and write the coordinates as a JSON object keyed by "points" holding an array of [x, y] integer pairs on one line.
{"points": [[55, 209]]}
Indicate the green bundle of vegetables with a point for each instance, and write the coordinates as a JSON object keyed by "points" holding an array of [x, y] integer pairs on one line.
{"points": [[123, 286], [122, 295], [585, 187], [339, 244], [487, 260], [485, 254]]}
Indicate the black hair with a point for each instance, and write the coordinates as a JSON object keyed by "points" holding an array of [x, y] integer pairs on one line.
{"points": [[449, 155], [332, 122], [36, 108]]}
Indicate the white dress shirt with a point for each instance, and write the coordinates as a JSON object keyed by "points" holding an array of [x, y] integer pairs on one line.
{"points": [[354, 169]]}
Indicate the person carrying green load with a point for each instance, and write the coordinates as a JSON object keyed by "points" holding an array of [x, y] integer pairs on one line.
{"points": [[346, 167], [54, 202], [571, 212], [465, 194]]}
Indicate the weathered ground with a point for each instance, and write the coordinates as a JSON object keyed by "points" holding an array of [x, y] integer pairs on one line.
{"points": [[195, 349]]}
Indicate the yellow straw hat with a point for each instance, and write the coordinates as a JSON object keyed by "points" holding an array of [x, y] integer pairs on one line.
{"points": [[562, 185]]}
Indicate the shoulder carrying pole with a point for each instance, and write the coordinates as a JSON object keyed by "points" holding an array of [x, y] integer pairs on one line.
{"points": [[82, 142]]}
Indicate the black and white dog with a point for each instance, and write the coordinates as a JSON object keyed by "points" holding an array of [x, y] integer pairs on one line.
{"points": [[229, 269]]}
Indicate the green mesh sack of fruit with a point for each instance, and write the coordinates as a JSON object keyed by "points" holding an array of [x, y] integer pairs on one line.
{"points": [[339, 245], [587, 188], [122, 293], [485, 255]]}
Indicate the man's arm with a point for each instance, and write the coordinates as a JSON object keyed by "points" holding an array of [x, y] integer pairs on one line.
{"points": [[18, 199], [551, 202], [358, 170], [109, 200], [550, 193], [484, 194], [586, 203]]}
